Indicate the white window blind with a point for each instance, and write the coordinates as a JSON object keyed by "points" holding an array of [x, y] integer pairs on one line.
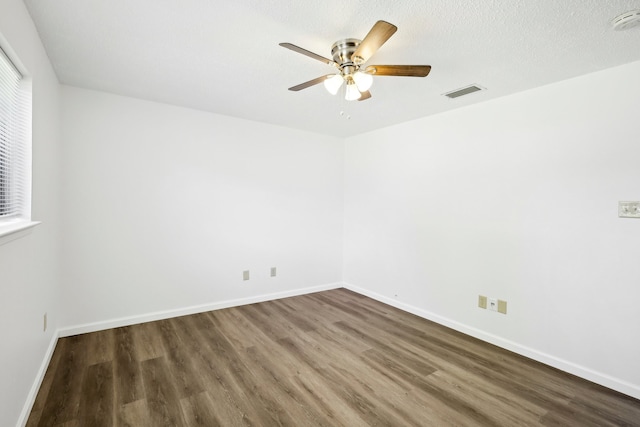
{"points": [[15, 147]]}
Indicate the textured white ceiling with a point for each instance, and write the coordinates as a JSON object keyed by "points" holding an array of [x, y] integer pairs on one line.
{"points": [[224, 57]]}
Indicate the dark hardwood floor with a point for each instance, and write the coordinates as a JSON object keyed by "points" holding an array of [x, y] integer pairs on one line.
{"points": [[332, 358]]}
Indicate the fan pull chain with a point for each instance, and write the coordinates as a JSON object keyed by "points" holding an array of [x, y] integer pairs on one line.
{"points": [[343, 114]]}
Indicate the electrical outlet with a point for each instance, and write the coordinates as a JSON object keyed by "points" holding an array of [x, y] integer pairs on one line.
{"points": [[502, 306], [482, 301], [44, 323], [493, 304], [273, 272], [245, 275]]}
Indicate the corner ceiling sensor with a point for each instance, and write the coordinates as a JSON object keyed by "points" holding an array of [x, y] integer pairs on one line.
{"points": [[626, 20], [349, 56]]}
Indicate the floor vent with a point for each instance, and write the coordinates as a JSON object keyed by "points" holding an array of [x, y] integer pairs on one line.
{"points": [[464, 91]]}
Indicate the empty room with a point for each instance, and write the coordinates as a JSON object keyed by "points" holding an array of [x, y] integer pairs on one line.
{"points": [[420, 213]]}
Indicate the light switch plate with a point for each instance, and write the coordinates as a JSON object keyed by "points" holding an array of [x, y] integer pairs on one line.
{"points": [[629, 209]]}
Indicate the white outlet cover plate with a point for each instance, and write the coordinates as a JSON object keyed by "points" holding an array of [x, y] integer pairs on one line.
{"points": [[629, 209], [492, 304]]}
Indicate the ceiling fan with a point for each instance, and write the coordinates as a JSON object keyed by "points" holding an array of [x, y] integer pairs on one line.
{"points": [[349, 57]]}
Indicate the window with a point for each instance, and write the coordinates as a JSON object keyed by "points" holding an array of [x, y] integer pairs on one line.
{"points": [[15, 147]]}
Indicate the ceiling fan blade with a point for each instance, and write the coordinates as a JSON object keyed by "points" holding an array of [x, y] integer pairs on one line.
{"points": [[378, 35], [364, 95], [305, 52], [398, 70], [310, 83]]}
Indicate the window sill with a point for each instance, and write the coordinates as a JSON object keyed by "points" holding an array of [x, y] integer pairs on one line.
{"points": [[12, 230]]}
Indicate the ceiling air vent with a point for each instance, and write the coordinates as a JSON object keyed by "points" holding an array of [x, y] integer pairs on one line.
{"points": [[464, 91]]}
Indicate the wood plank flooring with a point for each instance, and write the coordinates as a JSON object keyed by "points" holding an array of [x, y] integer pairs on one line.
{"points": [[331, 358]]}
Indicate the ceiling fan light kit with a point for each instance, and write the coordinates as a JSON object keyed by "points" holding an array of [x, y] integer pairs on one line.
{"points": [[349, 56]]}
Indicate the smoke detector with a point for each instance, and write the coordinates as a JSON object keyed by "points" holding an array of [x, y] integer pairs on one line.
{"points": [[626, 20]]}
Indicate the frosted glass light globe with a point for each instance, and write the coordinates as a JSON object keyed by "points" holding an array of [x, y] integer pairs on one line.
{"points": [[352, 92], [363, 80], [333, 83]]}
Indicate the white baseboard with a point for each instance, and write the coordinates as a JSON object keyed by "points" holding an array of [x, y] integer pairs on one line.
{"points": [[564, 365], [33, 393], [167, 314]]}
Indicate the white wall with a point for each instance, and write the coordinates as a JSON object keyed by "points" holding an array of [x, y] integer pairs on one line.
{"points": [[166, 206], [29, 279], [514, 199]]}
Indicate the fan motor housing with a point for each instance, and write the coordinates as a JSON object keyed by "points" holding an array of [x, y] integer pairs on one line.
{"points": [[343, 50]]}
